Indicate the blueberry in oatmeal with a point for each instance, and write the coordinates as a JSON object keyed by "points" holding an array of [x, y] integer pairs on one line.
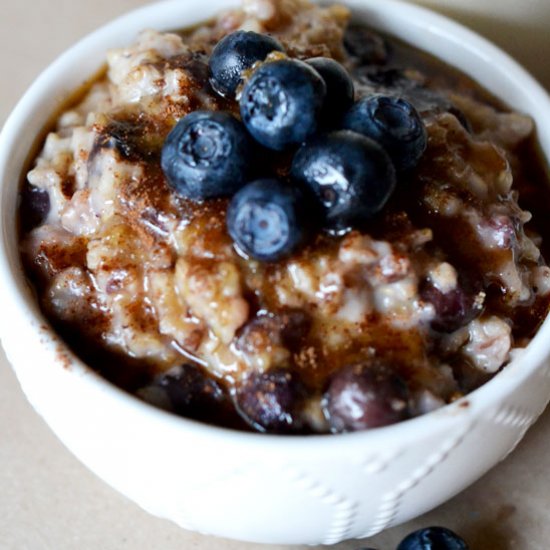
{"points": [[281, 103], [270, 401], [267, 219], [190, 391], [35, 205], [207, 154], [236, 53], [365, 47], [394, 123], [362, 396], [206, 230], [351, 176], [455, 306]]}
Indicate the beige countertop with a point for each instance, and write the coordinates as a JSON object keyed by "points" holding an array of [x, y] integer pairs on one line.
{"points": [[49, 501]]}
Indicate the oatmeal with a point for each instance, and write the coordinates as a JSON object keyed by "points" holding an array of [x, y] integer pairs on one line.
{"points": [[392, 295]]}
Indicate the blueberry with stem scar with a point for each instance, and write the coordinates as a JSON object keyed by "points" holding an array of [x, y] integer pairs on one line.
{"points": [[267, 219], [281, 103], [206, 155], [392, 122]]}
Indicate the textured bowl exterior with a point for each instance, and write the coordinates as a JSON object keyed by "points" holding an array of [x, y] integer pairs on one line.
{"points": [[271, 489]]}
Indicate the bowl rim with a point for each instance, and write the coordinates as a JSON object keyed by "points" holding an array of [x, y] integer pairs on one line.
{"points": [[470, 406]]}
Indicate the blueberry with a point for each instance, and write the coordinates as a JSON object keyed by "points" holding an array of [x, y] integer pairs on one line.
{"points": [[340, 89], [363, 396], [394, 123], [236, 53], [433, 538], [266, 219], [270, 401], [282, 102], [351, 176], [207, 154], [35, 206], [453, 309], [191, 391], [366, 46]]}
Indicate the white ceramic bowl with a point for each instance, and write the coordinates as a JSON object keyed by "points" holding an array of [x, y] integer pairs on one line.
{"points": [[254, 487]]}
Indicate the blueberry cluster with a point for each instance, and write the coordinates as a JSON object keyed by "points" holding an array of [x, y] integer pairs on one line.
{"points": [[346, 159]]}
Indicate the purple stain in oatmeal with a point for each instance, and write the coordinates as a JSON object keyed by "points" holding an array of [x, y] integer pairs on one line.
{"points": [[499, 232]]}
